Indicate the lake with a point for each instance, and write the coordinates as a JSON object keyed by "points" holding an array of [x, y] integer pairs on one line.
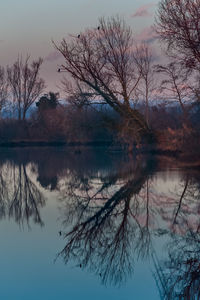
{"points": [[97, 224]]}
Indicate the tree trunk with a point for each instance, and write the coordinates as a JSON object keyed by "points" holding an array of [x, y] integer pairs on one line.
{"points": [[136, 119], [134, 129], [19, 114], [24, 115]]}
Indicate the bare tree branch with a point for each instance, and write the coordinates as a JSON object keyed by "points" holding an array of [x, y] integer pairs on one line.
{"points": [[25, 84], [102, 60]]}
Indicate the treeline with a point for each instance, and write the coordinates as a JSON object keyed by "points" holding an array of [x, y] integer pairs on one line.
{"points": [[57, 123], [52, 122]]}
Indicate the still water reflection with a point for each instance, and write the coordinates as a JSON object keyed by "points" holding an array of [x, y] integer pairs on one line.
{"points": [[97, 224]]}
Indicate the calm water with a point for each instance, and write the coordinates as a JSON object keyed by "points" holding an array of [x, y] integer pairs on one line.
{"points": [[97, 225]]}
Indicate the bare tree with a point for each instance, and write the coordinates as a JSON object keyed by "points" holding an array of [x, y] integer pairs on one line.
{"points": [[144, 59], [25, 84], [102, 61], [3, 88], [178, 23], [78, 94], [176, 86]]}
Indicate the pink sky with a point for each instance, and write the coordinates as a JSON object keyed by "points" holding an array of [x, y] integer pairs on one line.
{"points": [[29, 27]]}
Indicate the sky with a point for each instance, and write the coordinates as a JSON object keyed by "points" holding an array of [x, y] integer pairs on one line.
{"points": [[27, 27]]}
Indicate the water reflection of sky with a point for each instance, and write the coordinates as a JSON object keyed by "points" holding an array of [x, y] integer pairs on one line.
{"points": [[29, 247], [29, 271]]}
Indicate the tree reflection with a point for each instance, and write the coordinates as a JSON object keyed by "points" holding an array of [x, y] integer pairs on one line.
{"points": [[114, 210], [178, 277], [20, 198], [104, 212], [25, 199], [115, 218]]}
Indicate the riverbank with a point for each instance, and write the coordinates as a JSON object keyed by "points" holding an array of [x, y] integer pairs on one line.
{"points": [[13, 144], [166, 157]]}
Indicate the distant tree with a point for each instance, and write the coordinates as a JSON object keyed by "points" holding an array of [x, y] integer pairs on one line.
{"points": [[3, 88], [51, 117], [103, 62], [25, 84], [48, 101]]}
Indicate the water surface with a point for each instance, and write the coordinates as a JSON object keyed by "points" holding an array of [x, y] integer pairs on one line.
{"points": [[97, 224]]}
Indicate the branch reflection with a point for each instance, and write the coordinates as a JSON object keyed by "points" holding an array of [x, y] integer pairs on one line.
{"points": [[105, 215], [116, 217], [178, 276], [115, 209], [20, 198]]}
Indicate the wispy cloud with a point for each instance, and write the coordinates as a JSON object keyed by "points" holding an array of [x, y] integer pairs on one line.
{"points": [[148, 35], [53, 56], [143, 11]]}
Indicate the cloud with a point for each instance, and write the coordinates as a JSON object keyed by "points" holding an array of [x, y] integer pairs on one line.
{"points": [[148, 35], [143, 11], [53, 56]]}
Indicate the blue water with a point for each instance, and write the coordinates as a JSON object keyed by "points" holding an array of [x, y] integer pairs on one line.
{"points": [[30, 264], [28, 269]]}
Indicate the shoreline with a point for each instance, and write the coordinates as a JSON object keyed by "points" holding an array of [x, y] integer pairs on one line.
{"points": [[18, 144], [166, 157]]}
